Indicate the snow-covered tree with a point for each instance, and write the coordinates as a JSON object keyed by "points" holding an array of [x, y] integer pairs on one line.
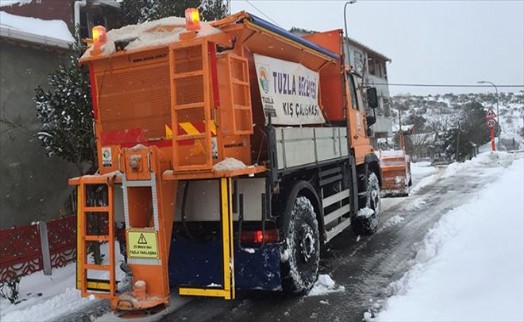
{"points": [[471, 129], [213, 9], [66, 115], [138, 11]]}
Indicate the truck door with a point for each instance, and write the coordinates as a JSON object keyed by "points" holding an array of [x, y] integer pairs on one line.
{"points": [[357, 127]]}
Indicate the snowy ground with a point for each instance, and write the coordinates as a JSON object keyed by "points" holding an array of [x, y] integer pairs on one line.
{"points": [[470, 267], [45, 298]]}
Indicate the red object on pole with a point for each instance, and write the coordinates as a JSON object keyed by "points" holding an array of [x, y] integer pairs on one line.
{"points": [[492, 134], [491, 123]]}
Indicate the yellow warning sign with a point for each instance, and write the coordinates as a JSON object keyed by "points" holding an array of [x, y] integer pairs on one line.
{"points": [[142, 244]]}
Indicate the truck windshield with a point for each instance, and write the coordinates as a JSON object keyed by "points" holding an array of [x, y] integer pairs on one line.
{"points": [[353, 89]]}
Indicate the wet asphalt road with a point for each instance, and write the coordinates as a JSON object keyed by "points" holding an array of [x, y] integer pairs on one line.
{"points": [[365, 266]]}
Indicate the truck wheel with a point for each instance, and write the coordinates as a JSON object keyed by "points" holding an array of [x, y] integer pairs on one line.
{"points": [[367, 224], [301, 250]]}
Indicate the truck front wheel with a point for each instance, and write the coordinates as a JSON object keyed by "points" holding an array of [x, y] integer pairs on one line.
{"points": [[366, 221], [301, 249]]}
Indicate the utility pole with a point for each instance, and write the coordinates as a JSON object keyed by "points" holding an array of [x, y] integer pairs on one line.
{"points": [[346, 30]]}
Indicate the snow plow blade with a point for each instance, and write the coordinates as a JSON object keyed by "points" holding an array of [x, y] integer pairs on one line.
{"points": [[396, 173]]}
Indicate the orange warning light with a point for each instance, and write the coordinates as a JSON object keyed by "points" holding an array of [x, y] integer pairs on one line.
{"points": [[99, 35], [192, 19], [99, 38]]}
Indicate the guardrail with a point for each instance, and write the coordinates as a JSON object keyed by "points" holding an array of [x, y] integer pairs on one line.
{"points": [[39, 246]]}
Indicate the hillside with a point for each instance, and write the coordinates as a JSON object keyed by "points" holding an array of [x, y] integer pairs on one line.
{"points": [[435, 120]]}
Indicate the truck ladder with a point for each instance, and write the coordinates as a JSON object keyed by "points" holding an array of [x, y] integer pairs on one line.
{"points": [[101, 288], [191, 106], [226, 214]]}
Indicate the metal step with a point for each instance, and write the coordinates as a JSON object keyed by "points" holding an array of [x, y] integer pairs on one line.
{"points": [[337, 229]]}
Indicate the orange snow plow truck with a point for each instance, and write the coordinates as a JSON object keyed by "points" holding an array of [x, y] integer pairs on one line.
{"points": [[396, 172], [229, 152]]}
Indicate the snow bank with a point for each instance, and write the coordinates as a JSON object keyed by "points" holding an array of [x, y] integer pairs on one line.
{"points": [[471, 265], [52, 29], [483, 160]]}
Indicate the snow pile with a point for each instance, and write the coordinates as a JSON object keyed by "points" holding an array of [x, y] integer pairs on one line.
{"points": [[484, 160], [155, 33], [229, 164], [416, 204], [325, 285], [45, 298], [471, 265], [51, 29], [392, 153], [393, 221], [365, 212]]}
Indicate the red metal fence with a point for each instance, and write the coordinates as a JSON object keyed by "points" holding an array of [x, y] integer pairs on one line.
{"points": [[21, 250]]}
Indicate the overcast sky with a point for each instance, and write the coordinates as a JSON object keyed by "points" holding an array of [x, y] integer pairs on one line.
{"points": [[429, 42]]}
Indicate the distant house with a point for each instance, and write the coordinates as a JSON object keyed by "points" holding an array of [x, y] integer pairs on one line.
{"points": [[34, 36], [372, 65]]}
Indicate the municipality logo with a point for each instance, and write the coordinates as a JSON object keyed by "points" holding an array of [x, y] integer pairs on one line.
{"points": [[263, 79]]}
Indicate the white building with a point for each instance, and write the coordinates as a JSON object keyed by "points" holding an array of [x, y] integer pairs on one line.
{"points": [[372, 65]]}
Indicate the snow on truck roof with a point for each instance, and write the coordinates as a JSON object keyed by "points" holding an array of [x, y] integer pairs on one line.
{"points": [[150, 34], [392, 153]]}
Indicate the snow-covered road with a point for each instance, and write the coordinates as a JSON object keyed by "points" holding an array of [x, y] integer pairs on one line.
{"points": [[471, 264], [468, 267]]}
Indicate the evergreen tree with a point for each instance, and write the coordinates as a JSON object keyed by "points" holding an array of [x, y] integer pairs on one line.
{"points": [[213, 9], [139, 11], [471, 130], [474, 123], [66, 115]]}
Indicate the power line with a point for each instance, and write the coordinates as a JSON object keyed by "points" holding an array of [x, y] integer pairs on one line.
{"points": [[385, 0], [262, 13], [447, 85]]}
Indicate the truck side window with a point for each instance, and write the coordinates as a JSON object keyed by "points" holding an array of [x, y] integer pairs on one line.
{"points": [[353, 93]]}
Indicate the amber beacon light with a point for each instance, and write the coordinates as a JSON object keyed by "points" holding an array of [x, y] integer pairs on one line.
{"points": [[192, 19], [99, 38]]}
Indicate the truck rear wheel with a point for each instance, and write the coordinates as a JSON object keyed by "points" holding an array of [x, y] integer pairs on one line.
{"points": [[301, 250], [366, 223]]}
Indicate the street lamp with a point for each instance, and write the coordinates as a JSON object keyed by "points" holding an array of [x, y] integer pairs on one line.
{"points": [[497, 96], [346, 28]]}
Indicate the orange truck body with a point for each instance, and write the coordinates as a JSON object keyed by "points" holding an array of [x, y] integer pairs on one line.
{"points": [[170, 104]]}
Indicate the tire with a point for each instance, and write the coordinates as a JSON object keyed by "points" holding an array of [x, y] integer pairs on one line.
{"points": [[367, 225], [301, 249]]}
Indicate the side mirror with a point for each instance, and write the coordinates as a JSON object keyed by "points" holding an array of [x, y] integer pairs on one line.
{"points": [[371, 119], [372, 97]]}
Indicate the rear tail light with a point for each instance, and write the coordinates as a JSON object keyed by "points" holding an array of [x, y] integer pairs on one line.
{"points": [[259, 237]]}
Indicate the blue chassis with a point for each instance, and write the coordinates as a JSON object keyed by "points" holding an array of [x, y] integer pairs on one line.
{"points": [[199, 264]]}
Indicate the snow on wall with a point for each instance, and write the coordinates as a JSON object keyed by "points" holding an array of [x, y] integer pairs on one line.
{"points": [[54, 29], [9, 3]]}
